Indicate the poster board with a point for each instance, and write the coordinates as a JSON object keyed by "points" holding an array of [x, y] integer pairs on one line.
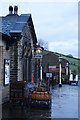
{"points": [[6, 71], [49, 75]]}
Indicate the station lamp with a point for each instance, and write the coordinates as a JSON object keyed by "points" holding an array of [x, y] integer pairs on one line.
{"points": [[60, 69]]}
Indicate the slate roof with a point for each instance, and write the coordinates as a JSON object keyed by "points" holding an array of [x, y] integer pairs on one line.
{"points": [[13, 23], [20, 23], [7, 23]]}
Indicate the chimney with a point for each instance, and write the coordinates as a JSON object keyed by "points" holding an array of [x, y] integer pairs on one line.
{"points": [[10, 10], [15, 9]]}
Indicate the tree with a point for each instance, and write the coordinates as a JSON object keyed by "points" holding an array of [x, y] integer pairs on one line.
{"points": [[43, 44]]}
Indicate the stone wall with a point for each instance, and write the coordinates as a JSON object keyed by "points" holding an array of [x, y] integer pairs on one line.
{"points": [[13, 62], [10, 54], [4, 90], [24, 61], [20, 60], [1, 67]]}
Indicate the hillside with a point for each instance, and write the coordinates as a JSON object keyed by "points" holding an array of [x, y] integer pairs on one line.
{"points": [[74, 62]]}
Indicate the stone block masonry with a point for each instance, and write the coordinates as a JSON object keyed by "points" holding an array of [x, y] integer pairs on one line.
{"points": [[4, 90], [13, 62]]}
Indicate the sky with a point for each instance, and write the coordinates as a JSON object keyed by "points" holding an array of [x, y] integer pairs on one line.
{"points": [[54, 22]]}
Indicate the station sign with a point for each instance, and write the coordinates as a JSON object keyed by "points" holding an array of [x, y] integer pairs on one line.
{"points": [[52, 67], [38, 56]]}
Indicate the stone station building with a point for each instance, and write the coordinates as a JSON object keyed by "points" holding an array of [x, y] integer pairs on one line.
{"points": [[17, 42]]}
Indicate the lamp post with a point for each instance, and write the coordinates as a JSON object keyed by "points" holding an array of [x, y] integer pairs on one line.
{"points": [[67, 68], [60, 60], [39, 56], [70, 68]]}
